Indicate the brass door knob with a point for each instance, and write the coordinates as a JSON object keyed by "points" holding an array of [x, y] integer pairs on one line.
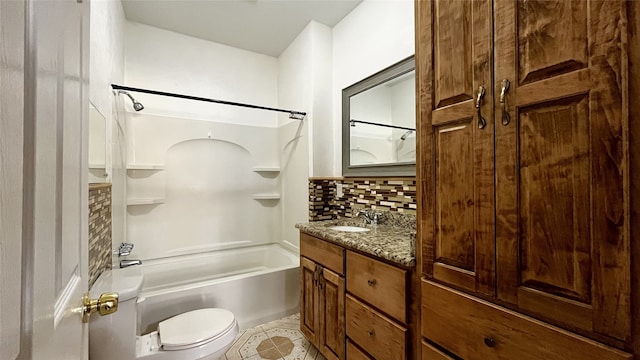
{"points": [[106, 304]]}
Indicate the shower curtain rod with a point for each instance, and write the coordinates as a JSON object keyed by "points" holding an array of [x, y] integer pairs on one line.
{"points": [[354, 121], [296, 115]]}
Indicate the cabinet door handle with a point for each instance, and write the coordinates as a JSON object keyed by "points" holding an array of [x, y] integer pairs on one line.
{"points": [[506, 118], [315, 276], [481, 121], [371, 282]]}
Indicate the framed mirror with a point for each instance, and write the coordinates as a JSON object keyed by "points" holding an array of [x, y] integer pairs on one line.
{"points": [[379, 123]]}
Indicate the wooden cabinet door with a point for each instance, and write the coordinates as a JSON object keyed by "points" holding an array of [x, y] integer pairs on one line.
{"points": [[331, 289], [562, 218], [309, 302], [455, 167]]}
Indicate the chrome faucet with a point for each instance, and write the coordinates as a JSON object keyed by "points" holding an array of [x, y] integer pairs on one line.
{"points": [[124, 249], [127, 263], [370, 216]]}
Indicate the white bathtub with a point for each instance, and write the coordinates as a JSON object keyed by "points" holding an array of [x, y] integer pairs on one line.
{"points": [[258, 284]]}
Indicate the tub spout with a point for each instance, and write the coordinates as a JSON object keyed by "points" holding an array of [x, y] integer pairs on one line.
{"points": [[127, 263]]}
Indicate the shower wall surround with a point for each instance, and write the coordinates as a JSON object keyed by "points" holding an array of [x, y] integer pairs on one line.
{"points": [[194, 186], [99, 230], [391, 194], [167, 61]]}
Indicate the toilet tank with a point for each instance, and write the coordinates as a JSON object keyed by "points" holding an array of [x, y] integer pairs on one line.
{"points": [[114, 336]]}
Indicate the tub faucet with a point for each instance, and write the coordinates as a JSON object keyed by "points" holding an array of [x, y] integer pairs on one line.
{"points": [[127, 263]]}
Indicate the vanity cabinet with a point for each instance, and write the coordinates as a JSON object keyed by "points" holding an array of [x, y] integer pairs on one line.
{"points": [[354, 353], [523, 123], [322, 295], [376, 307], [354, 306]]}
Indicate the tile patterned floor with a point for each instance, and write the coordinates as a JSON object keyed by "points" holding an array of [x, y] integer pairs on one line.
{"points": [[276, 340]]}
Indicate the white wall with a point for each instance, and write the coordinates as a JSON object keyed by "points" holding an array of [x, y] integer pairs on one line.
{"points": [[208, 150], [304, 82], [167, 61], [375, 35], [106, 51], [106, 66]]}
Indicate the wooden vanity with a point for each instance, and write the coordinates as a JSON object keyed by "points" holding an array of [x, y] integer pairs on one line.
{"points": [[355, 305]]}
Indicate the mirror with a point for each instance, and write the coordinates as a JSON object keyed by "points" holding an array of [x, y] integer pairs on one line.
{"points": [[97, 146], [379, 123]]}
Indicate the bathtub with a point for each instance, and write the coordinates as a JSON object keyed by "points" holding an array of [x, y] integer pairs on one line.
{"points": [[258, 284]]}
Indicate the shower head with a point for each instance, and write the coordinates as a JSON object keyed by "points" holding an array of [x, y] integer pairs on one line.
{"points": [[136, 105], [404, 136]]}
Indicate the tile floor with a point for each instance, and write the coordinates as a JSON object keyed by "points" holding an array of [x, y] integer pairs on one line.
{"points": [[276, 340]]}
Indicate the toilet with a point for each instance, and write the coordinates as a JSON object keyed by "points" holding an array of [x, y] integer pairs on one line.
{"points": [[199, 334]]}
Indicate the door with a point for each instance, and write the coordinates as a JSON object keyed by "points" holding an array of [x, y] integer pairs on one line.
{"points": [[54, 182], [309, 306], [11, 165], [561, 163], [456, 167], [331, 293]]}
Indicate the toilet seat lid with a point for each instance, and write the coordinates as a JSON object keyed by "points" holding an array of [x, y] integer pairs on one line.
{"points": [[195, 328]]}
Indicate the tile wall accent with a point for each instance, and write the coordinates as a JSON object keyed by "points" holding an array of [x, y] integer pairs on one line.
{"points": [[322, 198], [99, 230], [390, 194]]}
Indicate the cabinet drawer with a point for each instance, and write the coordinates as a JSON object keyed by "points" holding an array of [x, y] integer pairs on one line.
{"points": [[431, 353], [382, 285], [353, 353], [323, 252], [476, 329], [377, 334]]}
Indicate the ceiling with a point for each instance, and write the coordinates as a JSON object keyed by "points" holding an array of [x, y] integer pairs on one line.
{"points": [[263, 26]]}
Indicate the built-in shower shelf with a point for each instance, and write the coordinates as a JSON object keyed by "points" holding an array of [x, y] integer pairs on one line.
{"points": [[266, 196], [266, 168], [145, 201], [145, 167]]}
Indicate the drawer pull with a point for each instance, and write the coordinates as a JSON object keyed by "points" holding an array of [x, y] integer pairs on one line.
{"points": [[371, 282], [490, 342], [370, 333]]}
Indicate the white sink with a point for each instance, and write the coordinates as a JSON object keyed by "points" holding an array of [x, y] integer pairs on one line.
{"points": [[349, 228]]}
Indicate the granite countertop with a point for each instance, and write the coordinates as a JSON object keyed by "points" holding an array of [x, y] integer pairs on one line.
{"points": [[393, 243]]}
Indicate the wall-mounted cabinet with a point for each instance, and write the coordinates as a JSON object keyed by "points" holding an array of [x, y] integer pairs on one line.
{"points": [[525, 148]]}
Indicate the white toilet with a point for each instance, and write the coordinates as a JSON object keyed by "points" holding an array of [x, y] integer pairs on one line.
{"points": [[199, 334]]}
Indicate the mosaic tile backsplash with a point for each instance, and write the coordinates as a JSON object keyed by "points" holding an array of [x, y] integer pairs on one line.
{"points": [[99, 230], [393, 194]]}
